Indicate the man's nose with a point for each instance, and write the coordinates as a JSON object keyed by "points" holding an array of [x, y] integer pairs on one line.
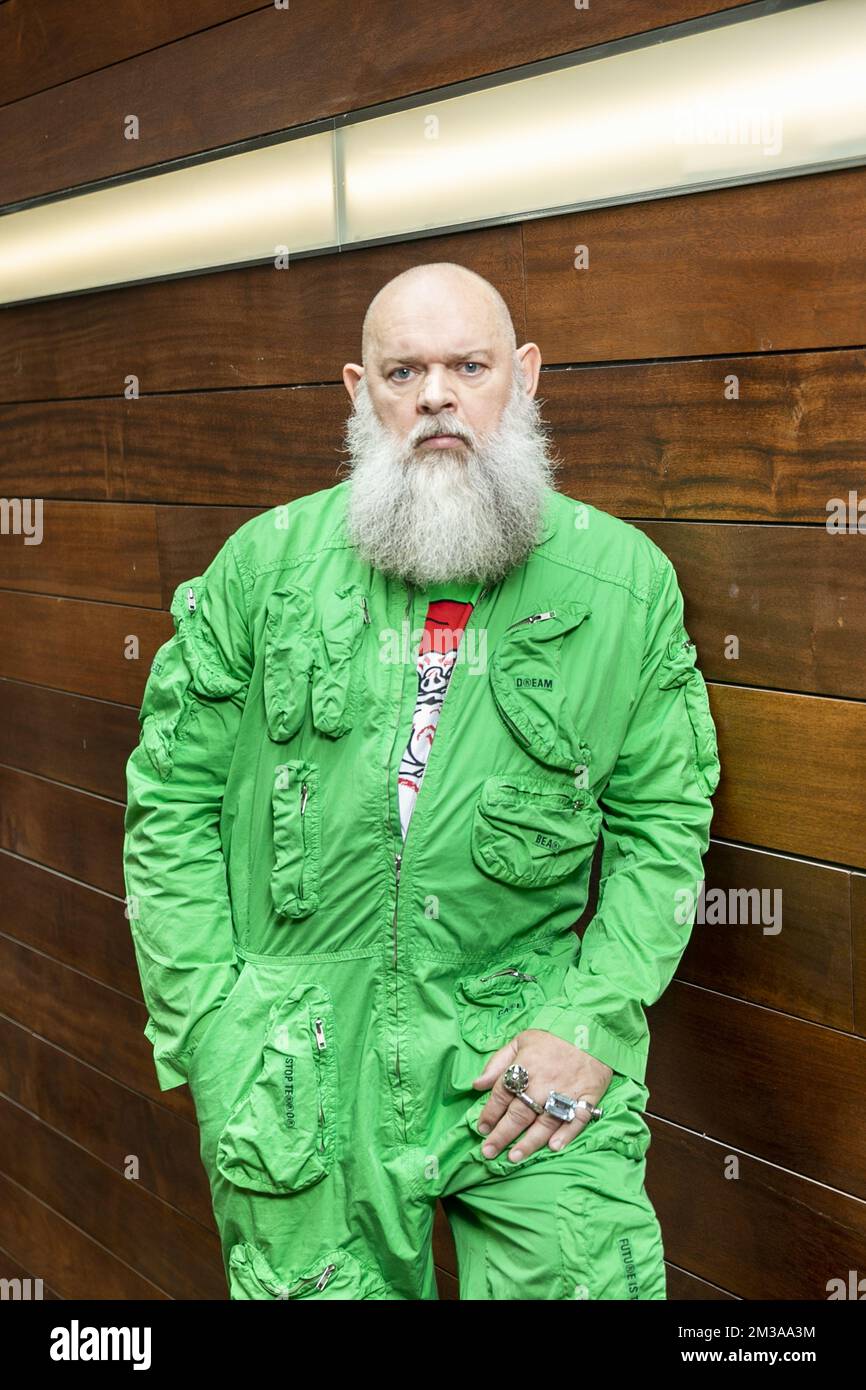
{"points": [[436, 393]]}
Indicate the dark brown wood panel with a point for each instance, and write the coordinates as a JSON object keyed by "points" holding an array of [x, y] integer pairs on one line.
{"points": [[254, 327], [766, 1234], [86, 550], [660, 439], [858, 931], [68, 921], [45, 42], [66, 829], [106, 1119], [97, 1025], [790, 778], [787, 945], [67, 738], [177, 1255], [76, 1266], [731, 270], [685, 1286], [781, 606], [787, 1091], [67, 644], [628, 438], [279, 68], [10, 1269]]}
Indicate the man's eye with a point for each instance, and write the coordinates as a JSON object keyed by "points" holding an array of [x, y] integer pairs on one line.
{"points": [[399, 369], [479, 365]]}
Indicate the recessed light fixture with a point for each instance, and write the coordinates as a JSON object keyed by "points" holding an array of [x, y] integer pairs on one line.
{"points": [[764, 91]]}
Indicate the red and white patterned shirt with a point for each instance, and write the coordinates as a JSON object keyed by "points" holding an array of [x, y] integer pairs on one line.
{"points": [[437, 653]]}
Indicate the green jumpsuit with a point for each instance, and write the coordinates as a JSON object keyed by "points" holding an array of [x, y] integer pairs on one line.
{"points": [[329, 991]]}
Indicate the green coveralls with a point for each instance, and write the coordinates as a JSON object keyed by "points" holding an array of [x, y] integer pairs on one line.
{"points": [[329, 992]]}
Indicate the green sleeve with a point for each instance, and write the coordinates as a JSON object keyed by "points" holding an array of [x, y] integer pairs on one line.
{"points": [[656, 814], [178, 903]]}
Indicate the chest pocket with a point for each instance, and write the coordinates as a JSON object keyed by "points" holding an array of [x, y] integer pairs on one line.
{"points": [[538, 826], [313, 660], [529, 688]]}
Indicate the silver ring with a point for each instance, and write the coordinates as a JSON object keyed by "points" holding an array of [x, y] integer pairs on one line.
{"points": [[533, 1104], [515, 1079]]}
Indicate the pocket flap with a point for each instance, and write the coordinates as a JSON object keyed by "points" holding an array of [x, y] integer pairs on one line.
{"points": [[527, 685], [527, 831], [290, 652]]}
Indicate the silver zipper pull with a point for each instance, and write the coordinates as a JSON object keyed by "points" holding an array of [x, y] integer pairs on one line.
{"points": [[512, 970], [398, 860], [533, 618], [366, 611], [690, 643], [325, 1276], [320, 1035], [303, 798], [190, 599]]}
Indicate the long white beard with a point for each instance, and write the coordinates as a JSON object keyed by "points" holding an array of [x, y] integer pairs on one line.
{"points": [[430, 516]]}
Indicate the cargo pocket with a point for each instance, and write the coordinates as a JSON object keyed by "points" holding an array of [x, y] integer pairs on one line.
{"points": [[492, 1007], [294, 877], [290, 651], [337, 678], [184, 668], [678, 669], [333, 1274], [609, 1248], [281, 1135], [526, 831], [528, 688]]}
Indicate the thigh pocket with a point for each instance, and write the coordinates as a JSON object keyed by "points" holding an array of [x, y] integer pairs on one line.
{"points": [[297, 837], [332, 1274], [281, 1135], [527, 831], [610, 1247]]}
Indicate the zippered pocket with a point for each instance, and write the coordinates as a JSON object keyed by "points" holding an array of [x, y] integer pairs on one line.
{"points": [[678, 669], [281, 1135], [332, 1274], [528, 687], [294, 877]]}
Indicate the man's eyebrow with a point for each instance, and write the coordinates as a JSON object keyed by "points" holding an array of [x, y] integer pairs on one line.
{"points": [[467, 356]]}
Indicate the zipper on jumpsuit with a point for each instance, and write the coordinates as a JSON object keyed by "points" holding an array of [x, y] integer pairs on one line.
{"points": [[398, 858]]}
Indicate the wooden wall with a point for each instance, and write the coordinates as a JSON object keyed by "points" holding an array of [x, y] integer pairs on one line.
{"points": [[760, 1042]]}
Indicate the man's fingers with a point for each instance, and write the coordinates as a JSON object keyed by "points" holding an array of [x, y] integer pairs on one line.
{"points": [[495, 1066]]}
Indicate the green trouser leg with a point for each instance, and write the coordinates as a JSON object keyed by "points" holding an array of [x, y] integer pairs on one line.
{"points": [[570, 1227]]}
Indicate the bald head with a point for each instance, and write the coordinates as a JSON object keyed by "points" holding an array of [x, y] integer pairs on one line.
{"points": [[424, 290]]}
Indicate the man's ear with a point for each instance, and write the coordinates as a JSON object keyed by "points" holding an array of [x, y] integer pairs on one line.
{"points": [[352, 374], [530, 360]]}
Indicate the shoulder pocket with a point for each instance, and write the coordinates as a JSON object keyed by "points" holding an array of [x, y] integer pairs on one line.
{"points": [[281, 1135], [290, 648], [186, 666], [528, 688], [678, 669], [527, 832]]}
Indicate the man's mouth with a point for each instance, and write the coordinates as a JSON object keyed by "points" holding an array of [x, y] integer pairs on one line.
{"points": [[442, 441]]}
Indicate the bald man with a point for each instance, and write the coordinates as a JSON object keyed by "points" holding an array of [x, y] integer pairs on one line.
{"points": [[357, 950]]}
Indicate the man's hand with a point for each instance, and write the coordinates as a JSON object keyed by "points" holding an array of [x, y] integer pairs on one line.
{"points": [[553, 1065]]}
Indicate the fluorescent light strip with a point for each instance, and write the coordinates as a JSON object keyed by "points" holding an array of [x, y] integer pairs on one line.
{"points": [[757, 98]]}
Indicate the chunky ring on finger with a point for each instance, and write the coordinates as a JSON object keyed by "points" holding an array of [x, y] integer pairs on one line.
{"points": [[595, 1111], [515, 1079], [533, 1104], [561, 1107]]}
